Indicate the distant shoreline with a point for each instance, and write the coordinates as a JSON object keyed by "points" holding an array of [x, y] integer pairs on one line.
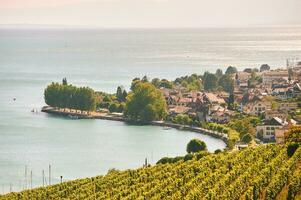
{"points": [[115, 117]]}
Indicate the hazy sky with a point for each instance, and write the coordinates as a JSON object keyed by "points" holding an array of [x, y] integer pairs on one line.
{"points": [[151, 13]]}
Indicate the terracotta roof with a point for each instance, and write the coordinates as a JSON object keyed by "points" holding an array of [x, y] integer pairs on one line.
{"points": [[179, 109]]}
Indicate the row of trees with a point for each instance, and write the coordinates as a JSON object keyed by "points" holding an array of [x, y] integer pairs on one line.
{"points": [[69, 96]]}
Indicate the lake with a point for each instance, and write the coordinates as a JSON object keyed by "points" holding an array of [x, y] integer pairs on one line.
{"points": [[103, 59]]}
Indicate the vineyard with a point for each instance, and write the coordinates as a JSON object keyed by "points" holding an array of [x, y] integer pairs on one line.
{"points": [[263, 172]]}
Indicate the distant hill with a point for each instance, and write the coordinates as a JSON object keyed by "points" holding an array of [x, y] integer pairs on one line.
{"points": [[263, 172]]}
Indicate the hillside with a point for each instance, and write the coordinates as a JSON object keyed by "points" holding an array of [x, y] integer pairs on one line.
{"points": [[264, 172]]}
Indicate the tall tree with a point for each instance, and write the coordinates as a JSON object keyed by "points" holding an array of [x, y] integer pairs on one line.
{"points": [[121, 94], [227, 83], [209, 81], [145, 103], [65, 81], [219, 73], [231, 70]]}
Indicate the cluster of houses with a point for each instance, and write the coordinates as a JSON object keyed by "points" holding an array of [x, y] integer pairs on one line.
{"points": [[206, 106], [271, 99]]}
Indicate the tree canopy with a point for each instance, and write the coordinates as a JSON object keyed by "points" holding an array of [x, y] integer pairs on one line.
{"points": [[227, 83], [69, 96], [210, 81], [293, 135], [264, 67], [145, 103], [231, 70], [196, 145]]}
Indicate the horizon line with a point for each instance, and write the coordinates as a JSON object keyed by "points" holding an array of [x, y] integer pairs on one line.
{"points": [[41, 26]]}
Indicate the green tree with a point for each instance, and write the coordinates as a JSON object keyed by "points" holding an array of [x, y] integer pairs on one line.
{"points": [[65, 81], [247, 138], [134, 82], [227, 83], [231, 101], [293, 135], [68, 96], [145, 103], [264, 67], [121, 94], [196, 145], [209, 81], [231, 70], [219, 73], [165, 84], [243, 126], [156, 82]]}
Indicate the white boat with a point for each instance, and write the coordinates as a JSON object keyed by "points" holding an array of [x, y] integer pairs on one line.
{"points": [[166, 128]]}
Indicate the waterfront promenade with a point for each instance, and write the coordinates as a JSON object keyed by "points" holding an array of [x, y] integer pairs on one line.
{"points": [[73, 114]]}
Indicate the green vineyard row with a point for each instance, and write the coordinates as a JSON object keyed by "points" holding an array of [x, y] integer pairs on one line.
{"points": [[253, 173]]}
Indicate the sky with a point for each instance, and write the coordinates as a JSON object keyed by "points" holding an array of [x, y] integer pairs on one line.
{"points": [[151, 13]]}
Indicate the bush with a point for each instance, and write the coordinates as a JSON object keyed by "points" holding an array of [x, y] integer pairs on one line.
{"points": [[196, 145], [188, 157], [217, 151], [247, 138], [291, 148]]}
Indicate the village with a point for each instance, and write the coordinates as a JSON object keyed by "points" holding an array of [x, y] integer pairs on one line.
{"points": [[244, 108], [275, 101]]}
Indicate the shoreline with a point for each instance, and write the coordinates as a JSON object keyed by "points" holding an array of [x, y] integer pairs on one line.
{"points": [[114, 117]]}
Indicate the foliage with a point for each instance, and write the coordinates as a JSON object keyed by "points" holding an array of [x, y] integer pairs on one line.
{"points": [[231, 70], [294, 185], [233, 135], [293, 135], [264, 67], [121, 94], [163, 83], [134, 82], [145, 103], [219, 73], [229, 175], [192, 82], [196, 145], [243, 126], [65, 81], [210, 81], [218, 151], [291, 148], [247, 138], [69, 96], [182, 119], [227, 83]]}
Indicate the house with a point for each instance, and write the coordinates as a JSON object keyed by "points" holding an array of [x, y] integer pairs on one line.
{"points": [[175, 110], [269, 114], [283, 93], [279, 135], [219, 114], [287, 106], [267, 129], [269, 77], [257, 107], [213, 98]]}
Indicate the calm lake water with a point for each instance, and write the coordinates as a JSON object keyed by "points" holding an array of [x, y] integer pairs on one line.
{"points": [[103, 59]]}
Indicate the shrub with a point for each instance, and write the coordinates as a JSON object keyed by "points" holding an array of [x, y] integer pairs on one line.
{"points": [[196, 145]]}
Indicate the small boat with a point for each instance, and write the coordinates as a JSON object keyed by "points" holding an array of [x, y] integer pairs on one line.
{"points": [[166, 128]]}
